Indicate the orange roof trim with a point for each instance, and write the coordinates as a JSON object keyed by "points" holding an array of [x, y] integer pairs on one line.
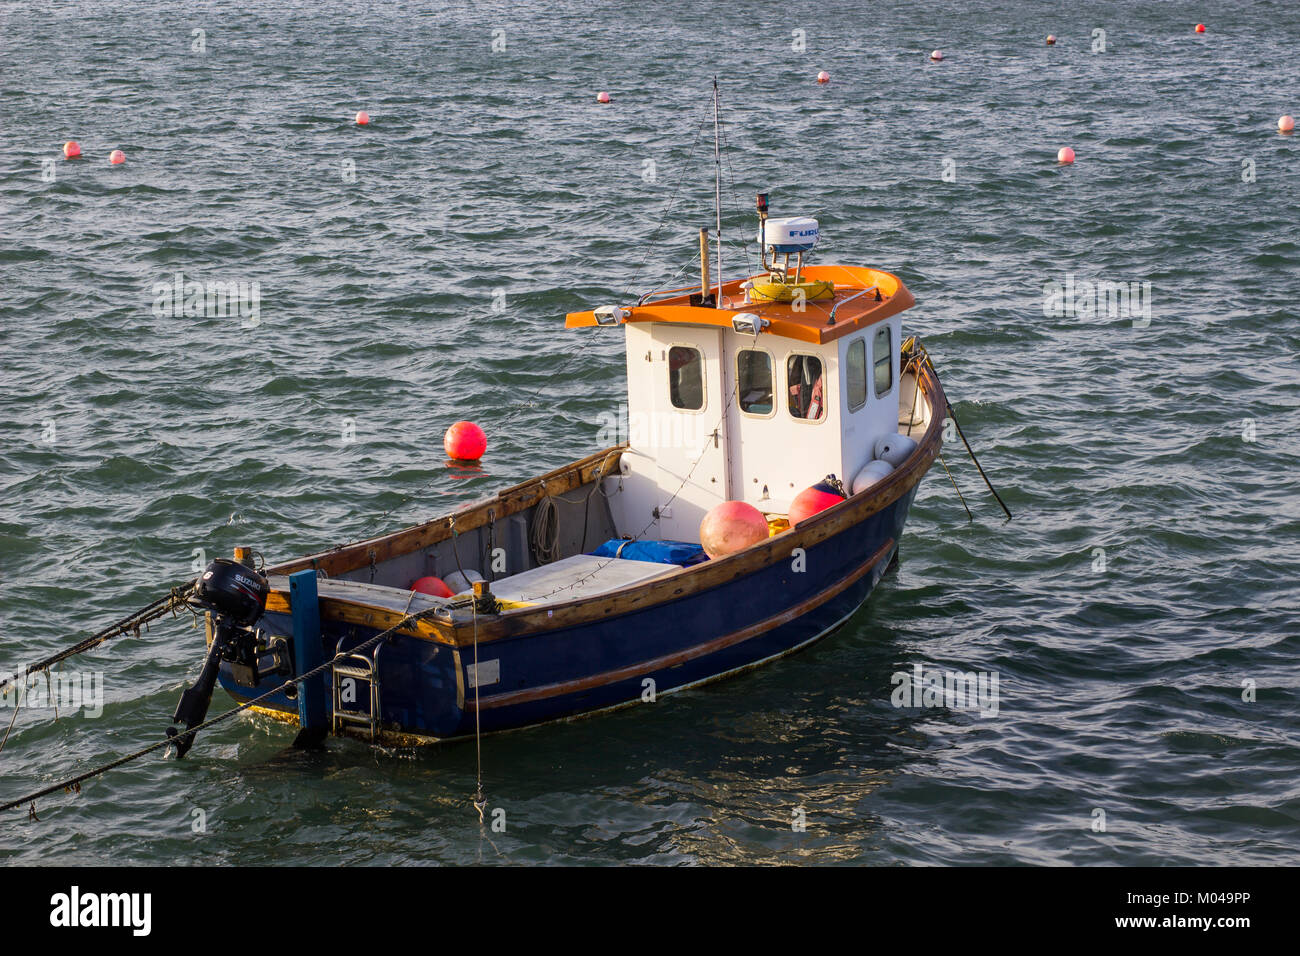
{"points": [[854, 306]]}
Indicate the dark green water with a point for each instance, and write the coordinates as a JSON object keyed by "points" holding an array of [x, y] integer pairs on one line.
{"points": [[378, 251]]}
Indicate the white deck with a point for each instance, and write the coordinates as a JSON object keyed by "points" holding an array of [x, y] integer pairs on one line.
{"points": [[581, 576]]}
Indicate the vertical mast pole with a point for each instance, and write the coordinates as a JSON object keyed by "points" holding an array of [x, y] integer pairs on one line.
{"points": [[717, 191]]}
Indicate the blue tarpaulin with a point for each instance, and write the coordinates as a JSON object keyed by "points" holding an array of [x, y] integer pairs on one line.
{"points": [[662, 552]]}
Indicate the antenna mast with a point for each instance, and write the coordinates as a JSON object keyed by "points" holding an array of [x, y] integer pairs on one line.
{"points": [[717, 192]]}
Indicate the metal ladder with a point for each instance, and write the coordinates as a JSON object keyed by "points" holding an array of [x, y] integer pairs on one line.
{"points": [[357, 667]]}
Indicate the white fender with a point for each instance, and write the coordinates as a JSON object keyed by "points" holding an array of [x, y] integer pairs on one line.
{"points": [[894, 449], [872, 472]]}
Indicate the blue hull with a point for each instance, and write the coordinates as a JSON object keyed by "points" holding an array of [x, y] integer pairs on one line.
{"points": [[426, 687]]}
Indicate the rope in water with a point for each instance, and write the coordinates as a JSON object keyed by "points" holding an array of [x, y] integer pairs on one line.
{"points": [[74, 783]]}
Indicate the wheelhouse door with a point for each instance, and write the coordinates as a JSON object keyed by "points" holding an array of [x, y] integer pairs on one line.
{"points": [[687, 429]]}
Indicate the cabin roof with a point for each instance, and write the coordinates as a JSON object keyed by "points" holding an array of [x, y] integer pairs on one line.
{"points": [[854, 306]]}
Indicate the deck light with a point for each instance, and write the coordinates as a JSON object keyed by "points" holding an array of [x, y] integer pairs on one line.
{"points": [[610, 315], [747, 323]]}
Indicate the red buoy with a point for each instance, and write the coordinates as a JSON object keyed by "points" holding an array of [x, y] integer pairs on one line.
{"points": [[1051, 40], [812, 500], [602, 97], [431, 585], [730, 527], [823, 77], [71, 149], [1286, 124], [1200, 28], [1065, 156], [117, 157], [465, 441], [363, 118]]}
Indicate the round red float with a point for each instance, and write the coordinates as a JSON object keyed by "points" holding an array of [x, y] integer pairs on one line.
{"points": [[465, 441], [812, 500], [71, 149], [117, 157], [431, 585], [730, 527], [363, 118]]}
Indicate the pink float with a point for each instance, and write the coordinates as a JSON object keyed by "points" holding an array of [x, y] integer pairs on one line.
{"points": [[730, 527]]}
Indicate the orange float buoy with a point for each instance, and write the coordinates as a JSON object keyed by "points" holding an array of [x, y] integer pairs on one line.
{"points": [[823, 77], [937, 55], [363, 118], [71, 149], [1286, 124], [1200, 28], [431, 585], [465, 441], [117, 157], [730, 527], [1065, 156], [602, 97], [1051, 40], [812, 500]]}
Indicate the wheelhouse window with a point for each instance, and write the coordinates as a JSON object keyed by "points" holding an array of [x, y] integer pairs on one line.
{"points": [[686, 378], [805, 387], [882, 360], [855, 374], [754, 382]]}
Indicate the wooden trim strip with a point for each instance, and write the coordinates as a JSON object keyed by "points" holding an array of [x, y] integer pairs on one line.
{"points": [[681, 657]]}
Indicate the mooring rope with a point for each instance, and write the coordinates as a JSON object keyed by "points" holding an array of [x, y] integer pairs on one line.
{"points": [[480, 804], [921, 356], [74, 784], [175, 598]]}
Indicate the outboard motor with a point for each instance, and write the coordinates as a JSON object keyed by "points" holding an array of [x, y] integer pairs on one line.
{"points": [[236, 596]]}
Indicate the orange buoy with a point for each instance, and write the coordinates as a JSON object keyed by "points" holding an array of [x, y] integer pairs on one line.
{"points": [[602, 97], [1065, 156], [1200, 28], [1286, 124], [431, 585], [465, 441], [1051, 40], [363, 118], [117, 157], [71, 149], [730, 527], [812, 500], [937, 55], [823, 77]]}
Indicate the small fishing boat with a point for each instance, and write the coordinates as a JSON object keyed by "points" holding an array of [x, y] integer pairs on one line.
{"points": [[587, 588], [777, 428]]}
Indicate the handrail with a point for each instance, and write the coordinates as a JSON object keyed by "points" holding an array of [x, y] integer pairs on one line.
{"points": [[685, 288], [836, 306]]}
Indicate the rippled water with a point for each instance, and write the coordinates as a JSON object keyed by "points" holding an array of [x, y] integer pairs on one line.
{"points": [[132, 439]]}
